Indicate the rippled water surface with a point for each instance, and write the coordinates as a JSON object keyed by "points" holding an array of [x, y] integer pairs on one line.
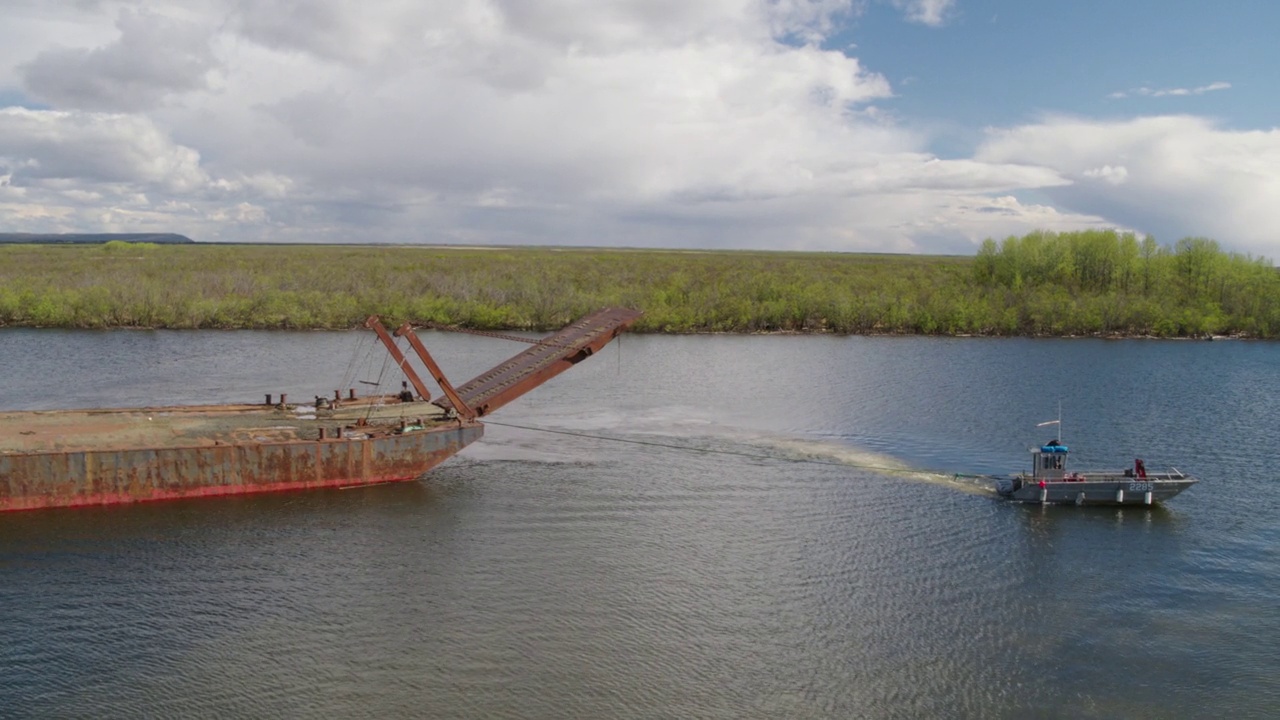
{"points": [[809, 552]]}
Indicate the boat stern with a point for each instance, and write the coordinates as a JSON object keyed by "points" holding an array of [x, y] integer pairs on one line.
{"points": [[1006, 486]]}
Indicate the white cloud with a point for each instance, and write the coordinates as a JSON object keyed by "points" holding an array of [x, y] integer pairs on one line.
{"points": [[73, 171], [1170, 92], [50, 146], [926, 12], [32, 26], [1174, 176], [243, 212], [369, 34], [1113, 175], [154, 56], [723, 123]]}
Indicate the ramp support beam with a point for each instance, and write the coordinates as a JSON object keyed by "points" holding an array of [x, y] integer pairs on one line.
{"points": [[465, 411], [375, 324]]}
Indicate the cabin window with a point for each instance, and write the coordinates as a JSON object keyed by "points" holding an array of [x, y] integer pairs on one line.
{"points": [[1052, 461]]}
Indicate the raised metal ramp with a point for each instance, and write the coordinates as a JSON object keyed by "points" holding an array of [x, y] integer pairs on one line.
{"points": [[551, 356]]}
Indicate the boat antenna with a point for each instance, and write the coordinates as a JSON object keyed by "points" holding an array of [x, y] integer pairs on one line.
{"points": [[1057, 422]]}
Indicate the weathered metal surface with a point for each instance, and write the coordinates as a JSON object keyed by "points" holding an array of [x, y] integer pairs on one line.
{"points": [[68, 458], [486, 333], [458, 403], [103, 429], [99, 477], [373, 323], [550, 357]]}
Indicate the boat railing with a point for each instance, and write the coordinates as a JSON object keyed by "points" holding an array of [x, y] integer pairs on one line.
{"points": [[1087, 474]]}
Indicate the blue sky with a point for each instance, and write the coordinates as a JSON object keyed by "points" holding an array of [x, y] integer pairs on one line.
{"points": [[877, 125], [997, 62], [1001, 63]]}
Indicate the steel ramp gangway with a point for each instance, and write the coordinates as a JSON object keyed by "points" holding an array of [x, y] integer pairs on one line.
{"points": [[546, 359]]}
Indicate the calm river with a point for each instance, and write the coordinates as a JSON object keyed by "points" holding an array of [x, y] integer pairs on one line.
{"points": [[724, 527]]}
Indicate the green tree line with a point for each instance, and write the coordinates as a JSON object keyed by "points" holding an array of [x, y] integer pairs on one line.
{"points": [[1040, 284], [1111, 282]]}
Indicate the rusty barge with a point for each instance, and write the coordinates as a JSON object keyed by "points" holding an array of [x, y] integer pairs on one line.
{"points": [[69, 458]]}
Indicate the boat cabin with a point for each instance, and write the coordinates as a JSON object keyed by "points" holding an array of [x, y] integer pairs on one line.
{"points": [[1049, 461]]}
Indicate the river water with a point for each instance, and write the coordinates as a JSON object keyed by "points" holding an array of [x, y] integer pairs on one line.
{"points": [[720, 527]]}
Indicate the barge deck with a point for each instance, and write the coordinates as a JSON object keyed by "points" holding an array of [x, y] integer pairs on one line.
{"points": [[69, 458]]}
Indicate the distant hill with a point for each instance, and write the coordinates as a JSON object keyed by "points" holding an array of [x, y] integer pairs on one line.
{"points": [[92, 238]]}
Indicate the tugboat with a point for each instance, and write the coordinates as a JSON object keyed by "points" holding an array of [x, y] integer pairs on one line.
{"points": [[1050, 483]]}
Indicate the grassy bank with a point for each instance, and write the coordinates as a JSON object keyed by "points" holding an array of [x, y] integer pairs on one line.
{"points": [[1033, 285]]}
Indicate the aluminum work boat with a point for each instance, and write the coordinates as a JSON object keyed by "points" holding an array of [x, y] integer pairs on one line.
{"points": [[1049, 482]]}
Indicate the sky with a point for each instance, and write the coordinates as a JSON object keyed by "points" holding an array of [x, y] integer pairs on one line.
{"points": [[916, 126]]}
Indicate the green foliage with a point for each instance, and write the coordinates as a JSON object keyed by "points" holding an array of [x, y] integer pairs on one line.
{"points": [[1103, 282], [1093, 282]]}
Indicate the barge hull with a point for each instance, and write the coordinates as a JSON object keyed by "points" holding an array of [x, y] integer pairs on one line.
{"points": [[107, 477]]}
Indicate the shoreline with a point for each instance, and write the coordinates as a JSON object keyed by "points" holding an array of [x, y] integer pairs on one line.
{"points": [[743, 333], [1002, 293]]}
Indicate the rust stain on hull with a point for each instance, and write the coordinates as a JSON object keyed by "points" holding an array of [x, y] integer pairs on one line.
{"points": [[105, 477], [70, 458]]}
